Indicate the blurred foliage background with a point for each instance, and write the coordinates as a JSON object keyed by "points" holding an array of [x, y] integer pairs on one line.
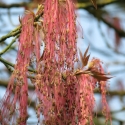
{"points": [[101, 24]]}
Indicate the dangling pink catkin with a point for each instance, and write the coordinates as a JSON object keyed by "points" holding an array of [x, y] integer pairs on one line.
{"points": [[64, 98]]}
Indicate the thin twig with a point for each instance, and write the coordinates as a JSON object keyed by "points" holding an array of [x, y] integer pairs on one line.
{"points": [[12, 65], [107, 43], [17, 30], [14, 32], [112, 93], [79, 4], [100, 4], [96, 91], [23, 4], [99, 16], [8, 47], [9, 68]]}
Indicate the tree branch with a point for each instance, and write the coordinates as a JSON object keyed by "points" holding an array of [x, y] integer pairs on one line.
{"points": [[9, 68], [14, 32], [99, 114], [17, 30], [112, 93], [98, 16], [107, 43], [5, 83], [8, 47], [79, 4], [100, 4], [23, 4], [12, 65], [96, 91]]}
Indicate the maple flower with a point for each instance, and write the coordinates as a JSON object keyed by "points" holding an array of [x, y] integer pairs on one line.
{"points": [[65, 96], [55, 84], [18, 81], [86, 100]]}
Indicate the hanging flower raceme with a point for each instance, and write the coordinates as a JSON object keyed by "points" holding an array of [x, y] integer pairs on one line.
{"points": [[13, 108], [55, 92], [60, 31], [65, 95]]}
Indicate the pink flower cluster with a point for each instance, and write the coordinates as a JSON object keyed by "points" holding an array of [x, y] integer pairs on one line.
{"points": [[66, 96], [14, 104]]}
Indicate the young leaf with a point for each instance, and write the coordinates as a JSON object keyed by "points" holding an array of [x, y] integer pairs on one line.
{"points": [[100, 76], [94, 3], [85, 57], [86, 60], [85, 54]]}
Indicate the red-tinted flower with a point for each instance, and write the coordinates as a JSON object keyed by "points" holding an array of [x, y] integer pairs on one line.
{"points": [[66, 97], [18, 81]]}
